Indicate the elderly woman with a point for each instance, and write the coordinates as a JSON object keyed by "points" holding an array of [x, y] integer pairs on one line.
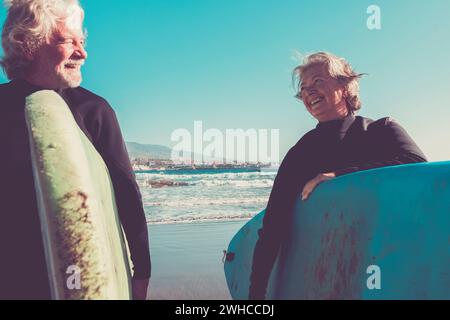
{"points": [[340, 144]]}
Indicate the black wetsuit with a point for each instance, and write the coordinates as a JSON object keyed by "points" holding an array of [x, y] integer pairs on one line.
{"points": [[23, 272], [341, 146]]}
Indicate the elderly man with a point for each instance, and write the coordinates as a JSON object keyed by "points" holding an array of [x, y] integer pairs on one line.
{"points": [[340, 144], [43, 44]]}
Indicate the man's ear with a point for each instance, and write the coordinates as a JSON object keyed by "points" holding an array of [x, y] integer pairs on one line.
{"points": [[27, 53]]}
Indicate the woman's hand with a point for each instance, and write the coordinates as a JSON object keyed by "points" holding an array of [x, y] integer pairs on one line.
{"points": [[312, 184]]}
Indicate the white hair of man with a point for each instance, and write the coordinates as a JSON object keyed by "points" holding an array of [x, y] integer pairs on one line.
{"points": [[28, 25], [339, 69]]}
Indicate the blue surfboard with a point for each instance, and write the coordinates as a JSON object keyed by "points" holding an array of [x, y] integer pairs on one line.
{"points": [[375, 234]]}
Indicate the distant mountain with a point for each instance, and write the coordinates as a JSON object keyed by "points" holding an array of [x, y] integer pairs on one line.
{"points": [[153, 151], [156, 151]]}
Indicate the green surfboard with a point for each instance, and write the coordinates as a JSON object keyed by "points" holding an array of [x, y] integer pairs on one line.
{"points": [[86, 254]]}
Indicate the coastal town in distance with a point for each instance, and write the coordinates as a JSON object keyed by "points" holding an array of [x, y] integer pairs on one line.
{"points": [[146, 164]]}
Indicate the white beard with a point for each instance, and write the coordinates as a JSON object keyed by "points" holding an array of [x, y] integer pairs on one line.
{"points": [[67, 81]]}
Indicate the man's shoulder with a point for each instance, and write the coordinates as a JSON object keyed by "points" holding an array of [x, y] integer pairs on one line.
{"points": [[4, 85], [84, 94], [93, 102], [5, 88]]}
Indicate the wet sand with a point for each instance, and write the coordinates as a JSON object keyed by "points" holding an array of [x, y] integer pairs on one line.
{"points": [[187, 260]]}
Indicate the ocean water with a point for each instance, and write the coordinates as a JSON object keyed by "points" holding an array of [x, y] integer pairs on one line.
{"points": [[190, 196]]}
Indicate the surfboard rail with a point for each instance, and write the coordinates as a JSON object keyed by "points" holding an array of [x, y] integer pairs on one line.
{"points": [[85, 249]]}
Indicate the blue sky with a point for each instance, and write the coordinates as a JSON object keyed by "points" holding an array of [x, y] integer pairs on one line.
{"points": [[162, 64]]}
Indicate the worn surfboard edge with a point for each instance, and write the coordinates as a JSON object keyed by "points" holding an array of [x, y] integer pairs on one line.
{"points": [[79, 222]]}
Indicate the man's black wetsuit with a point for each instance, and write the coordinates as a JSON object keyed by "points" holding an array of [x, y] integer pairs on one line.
{"points": [[340, 146], [23, 272]]}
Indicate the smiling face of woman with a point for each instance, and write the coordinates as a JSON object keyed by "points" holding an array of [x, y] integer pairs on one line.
{"points": [[323, 96]]}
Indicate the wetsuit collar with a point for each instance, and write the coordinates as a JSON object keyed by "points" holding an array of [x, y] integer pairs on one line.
{"points": [[340, 125], [27, 88], [24, 87]]}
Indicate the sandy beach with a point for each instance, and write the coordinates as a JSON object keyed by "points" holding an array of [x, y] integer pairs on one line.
{"points": [[187, 259], [192, 221]]}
